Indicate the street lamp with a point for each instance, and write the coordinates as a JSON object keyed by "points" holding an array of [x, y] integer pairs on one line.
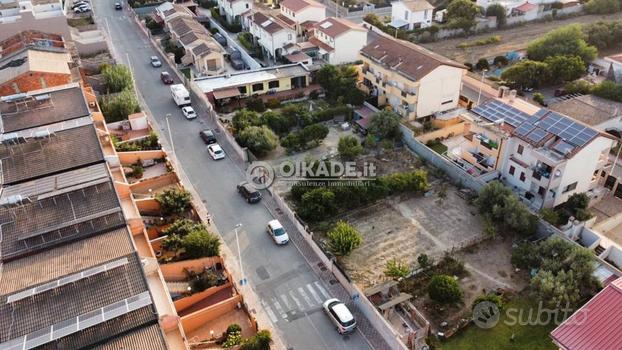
{"points": [[237, 242], [170, 137], [481, 84]]}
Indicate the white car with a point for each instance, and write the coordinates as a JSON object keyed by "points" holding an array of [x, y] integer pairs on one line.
{"points": [[340, 315], [277, 232], [155, 61], [215, 151], [188, 112]]}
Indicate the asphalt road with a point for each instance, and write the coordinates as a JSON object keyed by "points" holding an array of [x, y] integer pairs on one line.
{"points": [[290, 291]]}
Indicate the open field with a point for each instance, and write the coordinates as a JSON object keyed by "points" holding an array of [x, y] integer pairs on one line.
{"points": [[512, 39]]}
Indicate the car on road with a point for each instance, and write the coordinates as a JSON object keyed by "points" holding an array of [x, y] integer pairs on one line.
{"points": [[277, 232], [79, 4], [82, 9], [166, 78], [188, 112], [340, 315], [249, 192], [215, 151], [207, 136], [118, 6], [155, 61]]}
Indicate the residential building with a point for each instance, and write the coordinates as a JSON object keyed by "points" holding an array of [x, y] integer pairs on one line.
{"points": [[201, 49], [233, 10], [46, 16], [168, 11], [596, 325], [411, 14], [338, 40], [528, 11], [615, 67], [33, 60], [271, 33], [302, 14], [71, 276], [543, 155], [271, 82], [415, 82], [597, 112]]}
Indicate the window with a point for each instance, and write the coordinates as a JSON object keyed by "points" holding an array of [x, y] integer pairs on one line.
{"points": [[520, 149], [246, 5], [289, 37], [258, 87], [425, 14], [522, 176], [512, 170], [242, 89], [570, 187], [406, 15], [273, 84], [447, 102], [541, 191]]}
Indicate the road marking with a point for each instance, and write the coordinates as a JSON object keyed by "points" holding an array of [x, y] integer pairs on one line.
{"points": [[298, 303], [286, 302], [271, 314], [314, 294], [321, 289], [301, 291], [279, 309]]}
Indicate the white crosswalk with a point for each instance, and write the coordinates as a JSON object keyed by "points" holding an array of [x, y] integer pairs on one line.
{"points": [[296, 300]]}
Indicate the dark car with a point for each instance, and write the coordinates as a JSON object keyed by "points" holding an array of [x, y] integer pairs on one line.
{"points": [[560, 92], [207, 136], [117, 6], [249, 192], [166, 78]]}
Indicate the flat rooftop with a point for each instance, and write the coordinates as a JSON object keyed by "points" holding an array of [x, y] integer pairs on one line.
{"points": [[209, 84], [23, 159], [42, 107], [38, 218]]}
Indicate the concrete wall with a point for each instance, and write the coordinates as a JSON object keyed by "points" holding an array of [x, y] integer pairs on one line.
{"points": [[128, 158], [176, 271], [90, 42], [186, 302], [148, 206], [143, 187], [439, 91], [197, 319], [455, 129]]}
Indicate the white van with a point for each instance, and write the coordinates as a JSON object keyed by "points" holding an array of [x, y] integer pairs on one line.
{"points": [[181, 96]]}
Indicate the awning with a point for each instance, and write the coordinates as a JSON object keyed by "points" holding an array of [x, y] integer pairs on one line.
{"points": [[396, 300], [226, 93], [380, 288], [398, 23]]}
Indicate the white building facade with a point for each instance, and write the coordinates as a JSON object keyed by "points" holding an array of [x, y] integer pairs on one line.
{"points": [[233, 10], [411, 14], [338, 39], [271, 34]]}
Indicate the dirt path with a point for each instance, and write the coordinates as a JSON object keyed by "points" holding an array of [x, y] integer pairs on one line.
{"points": [[511, 39]]}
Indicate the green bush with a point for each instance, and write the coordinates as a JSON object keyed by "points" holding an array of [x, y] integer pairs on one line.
{"points": [[343, 239], [444, 289], [505, 210], [245, 118], [385, 125], [173, 201], [260, 341], [309, 136], [491, 298], [349, 147], [539, 98], [578, 86], [277, 122], [609, 90], [255, 104], [550, 215], [152, 24], [259, 139], [201, 243], [116, 77], [602, 7], [137, 171], [234, 327], [117, 107], [273, 103]]}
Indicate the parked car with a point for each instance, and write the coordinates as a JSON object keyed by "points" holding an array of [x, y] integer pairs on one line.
{"points": [[155, 61], [277, 232], [166, 78], [560, 92], [188, 112], [215, 151], [207, 136], [340, 315], [220, 39], [77, 4], [118, 6], [82, 10], [249, 192]]}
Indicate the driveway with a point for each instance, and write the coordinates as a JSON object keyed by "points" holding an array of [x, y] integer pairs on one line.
{"points": [[289, 289]]}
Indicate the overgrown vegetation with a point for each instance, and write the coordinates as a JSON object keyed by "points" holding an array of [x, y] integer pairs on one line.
{"points": [[340, 85], [149, 143], [173, 201], [493, 39], [305, 138], [444, 289], [343, 239], [116, 77], [505, 211]]}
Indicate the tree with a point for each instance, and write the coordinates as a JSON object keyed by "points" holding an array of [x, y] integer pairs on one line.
{"points": [[550, 215], [385, 124], [609, 90], [538, 97], [555, 290], [482, 64], [343, 239], [317, 204], [524, 256], [349, 147], [277, 122], [565, 68], [444, 289], [116, 77], [505, 210], [181, 227], [396, 269], [564, 41], [313, 133], [603, 34], [526, 74], [260, 341], [500, 61], [602, 7], [578, 86], [461, 14], [339, 84], [424, 261], [497, 10], [200, 243], [255, 104], [491, 298], [492, 195], [259, 139], [117, 107], [173, 201], [245, 118]]}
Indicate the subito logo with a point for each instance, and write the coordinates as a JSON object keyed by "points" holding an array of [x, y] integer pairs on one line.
{"points": [[486, 314]]}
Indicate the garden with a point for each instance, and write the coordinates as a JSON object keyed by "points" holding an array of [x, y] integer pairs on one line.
{"points": [[120, 98]]}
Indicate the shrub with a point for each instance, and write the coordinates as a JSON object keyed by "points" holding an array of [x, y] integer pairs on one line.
{"points": [[201, 243], [602, 7], [609, 90], [245, 118], [349, 147], [317, 204], [550, 215], [500, 61], [182, 227], [255, 104], [343, 239], [491, 298], [564, 41], [578, 86], [116, 77], [277, 122], [273, 103], [385, 125], [260, 341], [137, 171], [497, 10], [117, 107], [233, 339], [444, 289], [309, 136], [505, 210], [173, 201], [524, 256], [330, 113], [234, 327], [259, 139], [539, 98], [396, 269], [448, 265]]}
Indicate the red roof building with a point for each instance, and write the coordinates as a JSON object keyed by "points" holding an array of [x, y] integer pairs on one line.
{"points": [[595, 326]]}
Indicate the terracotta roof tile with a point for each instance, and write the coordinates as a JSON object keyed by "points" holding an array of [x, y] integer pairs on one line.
{"points": [[334, 27]]}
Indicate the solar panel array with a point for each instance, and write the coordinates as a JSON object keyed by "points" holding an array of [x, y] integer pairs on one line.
{"points": [[495, 110], [567, 129]]}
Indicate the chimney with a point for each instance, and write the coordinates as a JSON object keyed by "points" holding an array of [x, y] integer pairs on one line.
{"points": [[503, 91]]}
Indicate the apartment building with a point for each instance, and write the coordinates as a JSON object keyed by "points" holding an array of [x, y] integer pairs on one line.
{"points": [[415, 82], [338, 40], [543, 155], [201, 49], [33, 60], [302, 14], [47, 16], [271, 33], [71, 275], [411, 14], [233, 10], [168, 11]]}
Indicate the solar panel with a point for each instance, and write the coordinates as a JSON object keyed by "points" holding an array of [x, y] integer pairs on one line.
{"points": [[537, 135], [563, 147], [524, 129], [583, 137], [495, 110]]}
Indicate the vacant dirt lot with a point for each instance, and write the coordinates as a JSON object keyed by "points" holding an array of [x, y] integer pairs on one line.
{"points": [[511, 39], [404, 228]]}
